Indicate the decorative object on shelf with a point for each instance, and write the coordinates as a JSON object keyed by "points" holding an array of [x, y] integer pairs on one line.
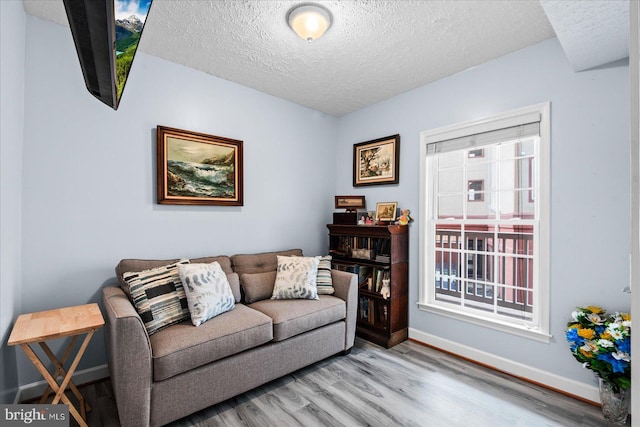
{"points": [[370, 216], [376, 162], [198, 169], [385, 291], [347, 218], [405, 217], [309, 21], [361, 253], [602, 343], [386, 211], [350, 203]]}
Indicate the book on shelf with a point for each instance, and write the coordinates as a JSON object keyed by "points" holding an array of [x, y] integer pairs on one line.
{"points": [[380, 275]]}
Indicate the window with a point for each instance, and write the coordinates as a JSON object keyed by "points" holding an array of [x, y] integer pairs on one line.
{"points": [[476, 190], [485, 245]]}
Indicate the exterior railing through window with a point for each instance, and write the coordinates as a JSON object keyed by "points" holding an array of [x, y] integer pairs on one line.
{"points": [[486, 266]]}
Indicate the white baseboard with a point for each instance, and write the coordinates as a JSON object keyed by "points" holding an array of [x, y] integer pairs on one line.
{"points": [[36, 389], [547, 379]]}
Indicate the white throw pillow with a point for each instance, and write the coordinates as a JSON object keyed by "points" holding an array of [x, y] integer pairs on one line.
{"points": [[208, 291], [296, 278]]}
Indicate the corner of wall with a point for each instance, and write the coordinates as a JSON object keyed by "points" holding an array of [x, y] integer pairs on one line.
{"points": [[12, 59]]}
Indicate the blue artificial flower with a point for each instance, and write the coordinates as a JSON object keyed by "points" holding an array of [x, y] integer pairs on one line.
{"points": [[624, 345], [573, 337], [617, 365]]}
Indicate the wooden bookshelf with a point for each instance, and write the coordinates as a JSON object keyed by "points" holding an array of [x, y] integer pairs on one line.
{"points": [[376, 253]]}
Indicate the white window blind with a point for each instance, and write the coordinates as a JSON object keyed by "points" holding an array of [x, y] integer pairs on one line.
{"points": [[479, 140]]}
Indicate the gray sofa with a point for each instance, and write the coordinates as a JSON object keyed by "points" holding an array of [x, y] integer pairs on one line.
{"points": [[182, 369]]}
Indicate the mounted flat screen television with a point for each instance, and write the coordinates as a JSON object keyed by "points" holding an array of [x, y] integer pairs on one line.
{"points": [[106, 35]]}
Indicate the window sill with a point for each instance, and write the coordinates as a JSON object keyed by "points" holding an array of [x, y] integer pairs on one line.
{"points": [[518, 330]]}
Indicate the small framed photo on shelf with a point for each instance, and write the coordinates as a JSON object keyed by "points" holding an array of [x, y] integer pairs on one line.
{"points": [[386, 211], [350, 203], [376, 162]]}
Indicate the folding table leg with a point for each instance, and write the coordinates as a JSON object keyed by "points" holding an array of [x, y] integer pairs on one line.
{"points": [[53, 383], [59, 364]]}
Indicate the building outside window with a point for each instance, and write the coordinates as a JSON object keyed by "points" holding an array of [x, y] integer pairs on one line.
{"points": [[484, 247]]}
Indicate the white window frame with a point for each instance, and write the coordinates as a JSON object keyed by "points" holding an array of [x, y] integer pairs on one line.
{"points": [[538, 329]]}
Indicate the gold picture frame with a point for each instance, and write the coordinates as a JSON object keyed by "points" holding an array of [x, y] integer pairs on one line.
{"points": [[198, 169], [377, 162], [386, 211]]}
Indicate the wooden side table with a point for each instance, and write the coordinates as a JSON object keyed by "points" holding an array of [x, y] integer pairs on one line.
{"points": [[42, 326]]}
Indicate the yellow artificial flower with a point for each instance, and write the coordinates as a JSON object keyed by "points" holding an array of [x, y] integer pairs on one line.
{"points": [[574, 326], [595, 309], [588, 349], [625, 316], [606, 336], [586, 353], [587, 333]]}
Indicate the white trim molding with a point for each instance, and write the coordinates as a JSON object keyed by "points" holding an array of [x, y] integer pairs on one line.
{"points": [[525, 372], [36, 389], [634, 257]]}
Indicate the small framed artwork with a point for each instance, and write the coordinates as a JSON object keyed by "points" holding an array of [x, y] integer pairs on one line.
{"points": [[376, 162], [386, 211], [350, 202], [198, 169]]}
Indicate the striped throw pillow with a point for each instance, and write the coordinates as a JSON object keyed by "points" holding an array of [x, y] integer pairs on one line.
{"points": [[324, 282], [158, 296]]}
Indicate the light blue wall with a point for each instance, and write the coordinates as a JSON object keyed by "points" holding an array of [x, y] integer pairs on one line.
{"points": [[12, 58], [89, 174], [589, 176]]}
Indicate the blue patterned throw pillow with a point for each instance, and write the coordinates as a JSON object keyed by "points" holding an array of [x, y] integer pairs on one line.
{"points": [[296, 278], [208, 291]]}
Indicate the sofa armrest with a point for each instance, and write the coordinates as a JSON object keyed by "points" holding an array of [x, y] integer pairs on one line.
{"points": [[129, 353], [346, 286]]}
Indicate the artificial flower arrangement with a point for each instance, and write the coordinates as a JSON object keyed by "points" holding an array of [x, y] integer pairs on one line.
{"points": [[602, 343]]}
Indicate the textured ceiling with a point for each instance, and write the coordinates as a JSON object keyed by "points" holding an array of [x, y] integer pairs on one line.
{"points": [[373, 51], [591, 33]]}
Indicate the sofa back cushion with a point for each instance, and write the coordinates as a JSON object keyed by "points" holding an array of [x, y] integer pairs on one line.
{"points": [[259, 263], [135, 265], [264, 262], [258, 286]]}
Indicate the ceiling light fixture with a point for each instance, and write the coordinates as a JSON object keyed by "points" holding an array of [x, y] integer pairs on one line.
{"points": [[309, 21]]}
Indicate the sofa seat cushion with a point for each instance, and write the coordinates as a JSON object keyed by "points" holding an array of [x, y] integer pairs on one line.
{"points": [[182, 347], [293, 317]]}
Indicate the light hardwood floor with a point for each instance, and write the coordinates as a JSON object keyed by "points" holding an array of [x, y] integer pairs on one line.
{"points": [[407, 385]]}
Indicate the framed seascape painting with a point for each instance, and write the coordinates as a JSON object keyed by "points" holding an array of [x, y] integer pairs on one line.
{"points": [[376, 162], [198, 169]]}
